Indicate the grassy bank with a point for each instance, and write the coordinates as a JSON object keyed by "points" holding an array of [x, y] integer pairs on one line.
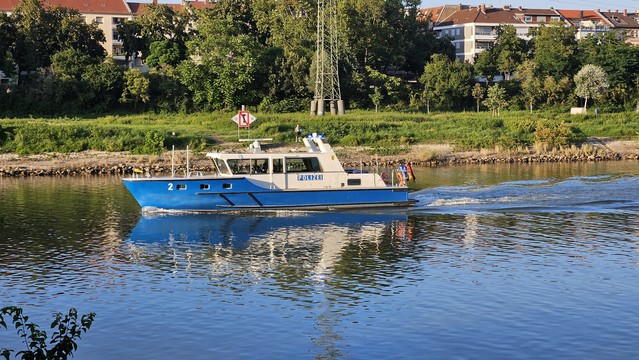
{"points": [[385, 133]]}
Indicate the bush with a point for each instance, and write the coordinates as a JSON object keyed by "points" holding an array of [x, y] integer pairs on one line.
{"points": [[67, 331]]}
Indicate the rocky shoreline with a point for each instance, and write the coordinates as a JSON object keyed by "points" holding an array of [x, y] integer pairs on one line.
{"points": [[123, 164]]}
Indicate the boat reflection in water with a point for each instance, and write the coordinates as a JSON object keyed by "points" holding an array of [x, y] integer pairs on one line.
{"points": [[321, 262], [238, 229], [259, 241]]}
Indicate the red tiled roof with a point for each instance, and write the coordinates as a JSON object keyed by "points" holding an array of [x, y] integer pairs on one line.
{"points": [[200, 5], [83, 6], [621, 20], [8, 5], [139, 8], [490, 15], [434, 12], [92, 6], [575, 16]]}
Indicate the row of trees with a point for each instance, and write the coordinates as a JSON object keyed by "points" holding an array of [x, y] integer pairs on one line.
{"points": [[541, 72], [254, 52], [260, 53]]}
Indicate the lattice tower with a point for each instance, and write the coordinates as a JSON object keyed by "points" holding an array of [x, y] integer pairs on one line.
{"points": [[327, 86]]}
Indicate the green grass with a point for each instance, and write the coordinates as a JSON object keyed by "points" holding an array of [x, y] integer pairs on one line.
{"points": [[387, 132]]}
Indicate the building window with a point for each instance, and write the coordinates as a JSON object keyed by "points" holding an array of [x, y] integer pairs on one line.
{"points": [[555, 18], [457, 45], [118, 20], [118, 51], [99, 19], [458, 32], [527, 18], [541, 19], [484, 30]]}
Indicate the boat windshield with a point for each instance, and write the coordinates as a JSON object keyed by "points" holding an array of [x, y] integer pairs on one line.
{"points": [[220, 167], [310, 164]]}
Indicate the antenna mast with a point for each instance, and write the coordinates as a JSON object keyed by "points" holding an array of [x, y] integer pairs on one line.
{"points": [[327, 86]]}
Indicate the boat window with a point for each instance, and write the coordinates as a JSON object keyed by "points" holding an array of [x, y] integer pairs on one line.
{"points": [[278, 165], [248, 166], [204, 186], [226, 186], [181, 186], [354, 182], [310, 164]]}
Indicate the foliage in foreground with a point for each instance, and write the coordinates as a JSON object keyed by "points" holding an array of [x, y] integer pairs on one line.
{"points": [[63, 341]]}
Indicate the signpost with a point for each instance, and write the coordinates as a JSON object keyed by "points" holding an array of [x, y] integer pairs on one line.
{"points": [[243, 119]]}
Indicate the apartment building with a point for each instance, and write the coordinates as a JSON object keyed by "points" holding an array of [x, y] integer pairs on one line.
{"points": [[624, 21], [108, 14], [472, 29]]}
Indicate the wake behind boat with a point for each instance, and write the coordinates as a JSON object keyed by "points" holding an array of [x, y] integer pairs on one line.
{"points": [[311, 180]]}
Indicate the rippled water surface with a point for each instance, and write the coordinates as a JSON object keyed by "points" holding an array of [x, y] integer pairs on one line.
{"points": [[496, 262]]}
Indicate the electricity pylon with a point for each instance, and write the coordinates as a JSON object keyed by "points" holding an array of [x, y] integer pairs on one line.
{"points": [[326, 61]]}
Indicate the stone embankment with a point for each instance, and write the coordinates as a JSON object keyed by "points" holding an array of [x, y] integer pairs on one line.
{"points": [[453, 160], [126, 165]]}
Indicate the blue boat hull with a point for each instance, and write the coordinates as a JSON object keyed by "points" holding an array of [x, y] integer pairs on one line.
{"points": [[218, 194]]}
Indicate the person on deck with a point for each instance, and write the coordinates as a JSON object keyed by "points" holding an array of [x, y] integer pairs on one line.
{"points": [[298, 133], [403, 171]]}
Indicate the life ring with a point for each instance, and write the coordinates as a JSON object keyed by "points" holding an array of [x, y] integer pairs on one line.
{"points": [[400, 178]]}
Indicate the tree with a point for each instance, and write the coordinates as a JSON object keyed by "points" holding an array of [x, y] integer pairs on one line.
{"points": [[130, 34], [164, 52], [136, 88], [557, 92], [104, 85], [531, 84], [70, 64], [496, 99], [446, 82], [167, 92], [510, 50], [617, 58], [8, 35], [42, 32], [485, 65], [590, 82], [478, 93], [421, 42], [158, 23], [72, 32], [372, 31], [376, 97], [287, 28], [555, 48], [229, 61]]}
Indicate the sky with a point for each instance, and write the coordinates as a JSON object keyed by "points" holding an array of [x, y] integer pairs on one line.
{"points": [[604, 5]]}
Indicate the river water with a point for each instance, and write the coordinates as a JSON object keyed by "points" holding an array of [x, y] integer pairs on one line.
{"points": [[495, 262]]}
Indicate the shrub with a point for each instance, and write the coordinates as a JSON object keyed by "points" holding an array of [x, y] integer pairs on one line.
{"points": [[67, 331]]}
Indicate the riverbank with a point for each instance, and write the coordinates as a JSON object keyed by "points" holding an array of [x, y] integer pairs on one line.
{"points": [[122, 163]]}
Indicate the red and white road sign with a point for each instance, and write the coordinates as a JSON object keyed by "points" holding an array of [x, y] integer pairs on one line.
{"points": [[244, 118]]}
